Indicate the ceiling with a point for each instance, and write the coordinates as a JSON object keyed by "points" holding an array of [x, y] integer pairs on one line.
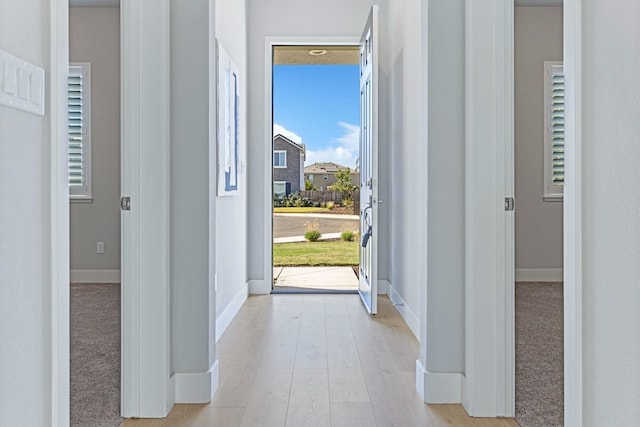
{"points": [[538, 2], [115, 3], [299, 55], [94, 3]]}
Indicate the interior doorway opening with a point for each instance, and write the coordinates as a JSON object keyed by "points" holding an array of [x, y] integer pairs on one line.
{"points": [[539, 184], [316, 168]]}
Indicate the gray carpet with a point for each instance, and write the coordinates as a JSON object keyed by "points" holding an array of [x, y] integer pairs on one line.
{"points": [[95, 355], [539, 355]]}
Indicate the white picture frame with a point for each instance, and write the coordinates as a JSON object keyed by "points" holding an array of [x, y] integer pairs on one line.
{"points": [[228, 123]]}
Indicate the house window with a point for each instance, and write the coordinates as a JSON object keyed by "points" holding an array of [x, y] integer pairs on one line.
{"points": [[279, 159], [79, 131], [310, 177], [280, 188], [554, 131], [325, 177]]}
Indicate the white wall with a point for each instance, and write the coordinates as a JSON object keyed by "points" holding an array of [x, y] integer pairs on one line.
{"points": [[231, 212], [94, 36], [446, 188], [538, 38], [27, 155], [192, 293], [405, 117], [610, 205], [282, 18]]}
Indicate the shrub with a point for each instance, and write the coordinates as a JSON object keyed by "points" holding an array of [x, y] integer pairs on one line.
{"points": [[313, 231], [330, 205], [292, 200], [347, 201], [348, 235], [312, 235]]}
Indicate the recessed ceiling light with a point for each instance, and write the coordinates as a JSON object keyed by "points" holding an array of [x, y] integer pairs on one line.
{"points": [[317, 52]]}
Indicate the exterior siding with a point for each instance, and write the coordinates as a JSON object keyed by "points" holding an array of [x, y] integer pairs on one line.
{"points": [[292, 173]]}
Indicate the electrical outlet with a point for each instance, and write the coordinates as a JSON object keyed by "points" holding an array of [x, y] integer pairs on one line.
{"points": [[100, 248]]}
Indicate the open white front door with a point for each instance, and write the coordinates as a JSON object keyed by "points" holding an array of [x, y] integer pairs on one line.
{"points": [[368, 286]]}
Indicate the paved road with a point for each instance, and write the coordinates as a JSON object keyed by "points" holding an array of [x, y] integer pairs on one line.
{"points": [[290, 225]]}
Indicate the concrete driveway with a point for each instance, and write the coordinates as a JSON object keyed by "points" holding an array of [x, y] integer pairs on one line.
{"points": [[288, 225]]}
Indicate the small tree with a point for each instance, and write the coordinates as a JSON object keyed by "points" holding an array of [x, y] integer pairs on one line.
{"points": [[308, 185], [343, 181]]}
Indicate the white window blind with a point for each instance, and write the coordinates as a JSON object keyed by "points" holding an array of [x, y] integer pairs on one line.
{"points": [[79, 130], [554, 130]]}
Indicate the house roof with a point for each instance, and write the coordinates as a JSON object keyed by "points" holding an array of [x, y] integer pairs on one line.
{"points": [[300, 147], [326, 167]]}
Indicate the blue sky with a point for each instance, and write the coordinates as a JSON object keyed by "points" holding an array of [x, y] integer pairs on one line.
{"points": [[319, 105]]}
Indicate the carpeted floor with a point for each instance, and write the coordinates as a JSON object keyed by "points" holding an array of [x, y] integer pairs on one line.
{"points": [[539, 355], [95, 355]]}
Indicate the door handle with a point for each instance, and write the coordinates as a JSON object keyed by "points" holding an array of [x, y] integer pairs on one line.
{"points": [[365, 238]]}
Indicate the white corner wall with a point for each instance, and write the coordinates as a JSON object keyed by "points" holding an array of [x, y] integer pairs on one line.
{"points": [[538, 223], [610, 132], [405, 119], [192, 290], [283, 18], [32, 275], [231, 211], [446, 173]]}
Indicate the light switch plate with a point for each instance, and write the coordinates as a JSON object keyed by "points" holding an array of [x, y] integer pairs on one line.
{"points": [[21, 84]]}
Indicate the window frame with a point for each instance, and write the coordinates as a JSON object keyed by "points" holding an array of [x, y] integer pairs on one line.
{"points": [[83, 194], [284, 183], [552, 192], [285, 159]]}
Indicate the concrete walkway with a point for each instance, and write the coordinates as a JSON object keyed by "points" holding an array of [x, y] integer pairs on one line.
{"points": [[328, 278], [294, 239]]}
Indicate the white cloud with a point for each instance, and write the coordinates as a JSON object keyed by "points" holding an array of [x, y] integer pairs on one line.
{"points": [[344, 151], [277, 129]]}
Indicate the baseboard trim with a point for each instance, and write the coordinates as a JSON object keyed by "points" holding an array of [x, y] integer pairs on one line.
{"points": [[412, 320], [196, 387], [227, 315], [438, 388], [539, 275], [259, 287], [383, 287], [94, 276]]}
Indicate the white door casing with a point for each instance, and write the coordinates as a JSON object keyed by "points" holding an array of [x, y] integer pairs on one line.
{"points": [[147, 391], [368, 277], [489, 384]]}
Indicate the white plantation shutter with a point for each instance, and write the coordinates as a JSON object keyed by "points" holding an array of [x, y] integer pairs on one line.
{"points": [[554, 130], [79, 130]]}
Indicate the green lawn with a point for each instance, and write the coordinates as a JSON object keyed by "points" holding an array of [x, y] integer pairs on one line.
{"points": [[300, 210], [315, 253]]}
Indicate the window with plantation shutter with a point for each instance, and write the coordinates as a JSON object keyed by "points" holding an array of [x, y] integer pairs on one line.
{"points": [[79, 130], [554, 131]]}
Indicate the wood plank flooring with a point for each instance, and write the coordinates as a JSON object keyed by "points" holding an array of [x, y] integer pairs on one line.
{"points": [[317, 360]]}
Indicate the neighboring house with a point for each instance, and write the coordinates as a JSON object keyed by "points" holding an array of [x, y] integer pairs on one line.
{"points": [[323, 174], [288, 164]]}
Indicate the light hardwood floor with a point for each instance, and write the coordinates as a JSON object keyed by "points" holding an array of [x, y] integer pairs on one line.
{"points": [[317, 360]]}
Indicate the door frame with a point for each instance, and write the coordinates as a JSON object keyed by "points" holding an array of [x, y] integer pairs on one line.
{"points": [[572, 58], [147, 389], [489, 58], [265, 287], [59, 303], [488, 387]]}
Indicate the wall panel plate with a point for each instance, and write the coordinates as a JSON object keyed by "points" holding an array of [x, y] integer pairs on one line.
{"points": [[21, 84]]}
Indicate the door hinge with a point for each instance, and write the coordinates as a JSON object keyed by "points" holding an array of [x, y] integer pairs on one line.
{"points": [[509, 203], [125, 203]]}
